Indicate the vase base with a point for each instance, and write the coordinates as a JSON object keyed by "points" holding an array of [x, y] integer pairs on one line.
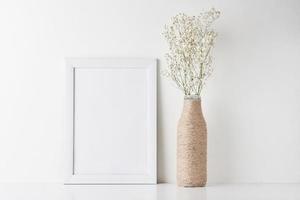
{"points": [[191, 184]]}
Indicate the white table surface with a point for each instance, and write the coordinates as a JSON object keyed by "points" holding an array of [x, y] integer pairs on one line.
{"points": [[53, 191]]}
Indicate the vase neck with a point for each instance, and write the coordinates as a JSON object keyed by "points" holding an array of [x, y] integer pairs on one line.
{"points": [[192, 98], [192, 104]]}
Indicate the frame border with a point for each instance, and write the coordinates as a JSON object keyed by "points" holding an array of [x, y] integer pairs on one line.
{"points": [[151, 66]]}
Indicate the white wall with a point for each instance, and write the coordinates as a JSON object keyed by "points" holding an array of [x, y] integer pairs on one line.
{"points": [[251, 103]]}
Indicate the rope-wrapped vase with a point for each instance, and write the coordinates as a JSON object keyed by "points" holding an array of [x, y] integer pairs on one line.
{"points": [[191, 145]]}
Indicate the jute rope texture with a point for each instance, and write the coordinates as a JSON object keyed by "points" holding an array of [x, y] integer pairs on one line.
{"points": [[191, 146]]}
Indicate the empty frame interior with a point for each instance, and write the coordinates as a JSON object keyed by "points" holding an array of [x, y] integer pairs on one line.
{"points": [[113, 121]]}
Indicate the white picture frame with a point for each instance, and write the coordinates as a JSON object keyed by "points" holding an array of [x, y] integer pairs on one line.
{"points": [[89, 162]]}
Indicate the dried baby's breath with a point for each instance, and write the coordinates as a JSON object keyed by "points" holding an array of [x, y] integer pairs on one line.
{"points": [[189, 59]]}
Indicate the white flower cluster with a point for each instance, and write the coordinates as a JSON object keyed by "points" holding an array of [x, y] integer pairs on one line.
{"points": [[189, 59]]}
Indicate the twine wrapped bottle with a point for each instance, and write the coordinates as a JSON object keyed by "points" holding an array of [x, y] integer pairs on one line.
{"points": [[191, 145]]}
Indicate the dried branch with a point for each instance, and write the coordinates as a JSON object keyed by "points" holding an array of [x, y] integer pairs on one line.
{"points": [[189, 59]]}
